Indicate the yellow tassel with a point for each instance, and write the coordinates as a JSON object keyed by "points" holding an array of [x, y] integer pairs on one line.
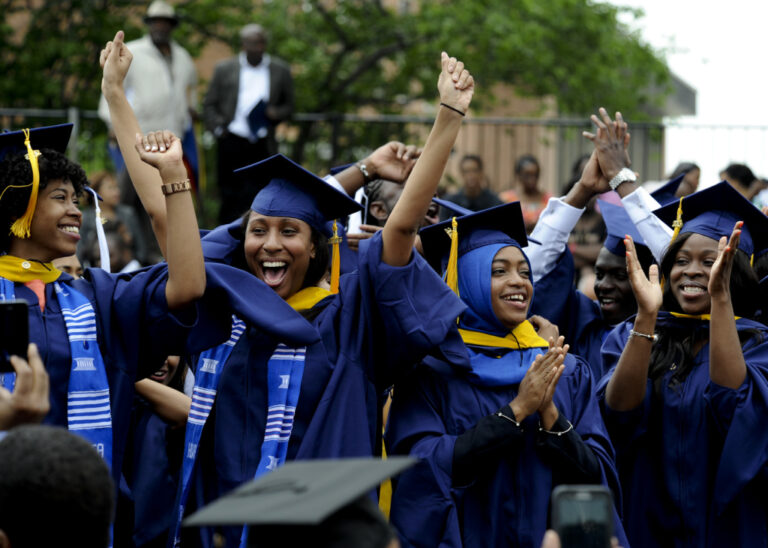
{"points": [[452, 272], [677, 225], [335, 259], [20, 228], [752, 260]]}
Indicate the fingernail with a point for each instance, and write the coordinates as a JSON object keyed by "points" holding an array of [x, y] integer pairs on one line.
{"points": [[146, 147], [154, 148], [162, 149]]}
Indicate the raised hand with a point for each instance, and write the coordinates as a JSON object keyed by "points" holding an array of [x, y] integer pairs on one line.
{"points": [[720, 274], [647, 290], [611, 143], [162, 150], [455, 84], [115, 59], [29, 402], [393, 161]]}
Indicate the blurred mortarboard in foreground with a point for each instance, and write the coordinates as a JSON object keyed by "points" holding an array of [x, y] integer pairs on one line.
{"points": [[713, 212], [618, 224], [301, 492], [665, 194]]}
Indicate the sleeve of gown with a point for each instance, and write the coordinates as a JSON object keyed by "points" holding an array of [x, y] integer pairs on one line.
{"points": [[407, 311], [572, 461], [483, 443], [640, 205], [552, 229], [745, 448]]}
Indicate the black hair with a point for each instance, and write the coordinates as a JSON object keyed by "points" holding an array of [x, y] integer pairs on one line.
{"points": [[741, 173], [54, 489], [576, 170], [472, 158], [16, 170], [675, 345], [683, 167], [318, 265], [525, 159]]}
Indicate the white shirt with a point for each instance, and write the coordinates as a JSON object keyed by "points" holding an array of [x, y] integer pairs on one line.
{"points": [[254, 87], [160, 94]]}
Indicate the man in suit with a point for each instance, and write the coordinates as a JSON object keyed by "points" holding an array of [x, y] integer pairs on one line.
{"points": [[248, 96]]}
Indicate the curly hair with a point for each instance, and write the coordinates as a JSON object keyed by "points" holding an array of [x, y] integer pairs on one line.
{"points": [[15, 170]]}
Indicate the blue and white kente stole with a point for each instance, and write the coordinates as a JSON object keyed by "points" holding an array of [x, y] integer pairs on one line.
{"points": [[88, 406]]}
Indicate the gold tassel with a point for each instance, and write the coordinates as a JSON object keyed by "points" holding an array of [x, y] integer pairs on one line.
{"points": [[452, 272], [335, 259], [752, 260], [20, 228], [677, 225]]}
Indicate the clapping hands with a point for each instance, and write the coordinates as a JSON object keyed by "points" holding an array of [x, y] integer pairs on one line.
{"points": [[538, 386]]}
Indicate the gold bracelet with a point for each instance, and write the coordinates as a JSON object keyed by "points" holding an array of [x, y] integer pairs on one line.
{"points": [[652, 338], [173, 188]]}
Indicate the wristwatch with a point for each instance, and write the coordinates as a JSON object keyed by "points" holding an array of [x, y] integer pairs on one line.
{"points": [[173, 188], [622, 176]]}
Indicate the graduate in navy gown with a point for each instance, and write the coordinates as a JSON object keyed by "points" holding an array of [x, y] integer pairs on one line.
{"points": [[583, 321], [686, 396], [263, 399], [502, 415], [97, 334]]}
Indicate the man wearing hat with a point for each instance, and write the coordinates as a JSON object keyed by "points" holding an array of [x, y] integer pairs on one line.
{"points": [[161, 83]]}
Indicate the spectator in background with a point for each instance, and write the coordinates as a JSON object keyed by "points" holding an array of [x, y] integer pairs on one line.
{"points": [[740, 177], [248, 96], [532, 199], [71, 265], [55, 490], [690, 182], [474, 193], [116, 216]]}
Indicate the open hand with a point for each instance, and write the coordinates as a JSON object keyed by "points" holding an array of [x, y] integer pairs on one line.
{"points": [[720, 274], [366, 232], [455, 84], [115, 59], [534, 385], [160, 149], [547, 410], [393, 161], [29, 402], [611, 143], [647, 290]]}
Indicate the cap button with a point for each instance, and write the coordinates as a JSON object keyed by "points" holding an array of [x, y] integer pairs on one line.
{"points": [[25, 265]]}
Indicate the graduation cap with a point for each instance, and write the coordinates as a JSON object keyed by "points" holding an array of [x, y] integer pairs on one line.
{"points": [[454, 208], [452, 238], [713, 212], [665, 194], [304, 498], [618, 224], [288, 190], [29, 142]]}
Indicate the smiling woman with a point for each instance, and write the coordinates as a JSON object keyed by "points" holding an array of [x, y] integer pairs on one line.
{"points": [[687, 392]]}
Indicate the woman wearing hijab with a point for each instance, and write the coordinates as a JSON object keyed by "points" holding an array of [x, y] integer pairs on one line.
{"points": [[686, 396], [500, 416]]}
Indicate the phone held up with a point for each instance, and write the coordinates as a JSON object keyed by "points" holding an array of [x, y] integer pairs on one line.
{"points": [[582, 515], [14, 332]]}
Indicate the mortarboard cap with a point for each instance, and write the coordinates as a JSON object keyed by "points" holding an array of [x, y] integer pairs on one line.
{"points": [[300, 493], [713, 212], [502, 224], [288, 190], [665, 194], [618, 224], [54, 137], [454, 208]]}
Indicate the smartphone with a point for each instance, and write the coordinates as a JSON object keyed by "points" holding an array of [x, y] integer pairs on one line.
{"points": [[582, 515], [14, 332]]}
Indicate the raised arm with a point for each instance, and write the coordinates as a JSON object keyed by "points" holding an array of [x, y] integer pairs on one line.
{"points": [[626, 389], [392, 161], [115, 59], [726, 360], [456, 87], [183, 252]]}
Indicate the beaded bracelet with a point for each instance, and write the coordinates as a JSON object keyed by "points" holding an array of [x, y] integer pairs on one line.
{"points": [[558, 434], [510, 419]]}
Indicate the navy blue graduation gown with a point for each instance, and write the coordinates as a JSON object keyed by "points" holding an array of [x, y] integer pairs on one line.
{"points": [[383, 320], [135, 330], [577, 316], [692, 458], [507, 504]]}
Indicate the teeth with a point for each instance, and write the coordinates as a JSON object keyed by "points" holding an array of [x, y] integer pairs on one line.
{"points": [[693, 290], [72, 229], [607, 301], [520, 298], [273, 264]]}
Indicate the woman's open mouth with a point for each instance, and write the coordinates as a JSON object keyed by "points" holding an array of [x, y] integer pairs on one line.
{"points": [[274, 272]]}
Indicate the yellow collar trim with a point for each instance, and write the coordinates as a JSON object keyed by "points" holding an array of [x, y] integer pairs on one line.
{"points": [[523, 336], [706, 317], [307, 298], [19, 270]]}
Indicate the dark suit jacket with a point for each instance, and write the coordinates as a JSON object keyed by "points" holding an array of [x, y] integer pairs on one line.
{"points": [[221, 100]]}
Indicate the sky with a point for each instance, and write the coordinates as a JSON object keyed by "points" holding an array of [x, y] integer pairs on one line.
{"points": [[720, 50]]}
